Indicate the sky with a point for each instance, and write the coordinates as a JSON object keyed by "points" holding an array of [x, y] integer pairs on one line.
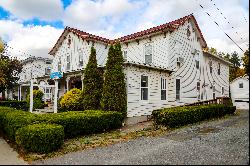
{"points": [[32, 27]]}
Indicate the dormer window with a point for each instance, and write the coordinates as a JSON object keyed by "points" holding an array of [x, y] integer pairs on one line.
{"points": [[148, 53]]}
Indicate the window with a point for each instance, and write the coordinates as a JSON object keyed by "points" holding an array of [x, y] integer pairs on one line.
{"points": [[177, 89], [68, 62], [218, 68], [210, 66], [80, 59], [214, 92], [241, 85], [163, 89], [197, 64], [222, 90], [47, 71], [125, 55], [48, 62], [144, 87], [148, 53], [59, 65], [198, 86], [198, 90]]}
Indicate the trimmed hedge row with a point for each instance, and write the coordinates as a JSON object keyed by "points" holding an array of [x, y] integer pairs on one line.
{"points": [[179, 116], [84, 122], [22, 105], [24, 127], [41, 138]]}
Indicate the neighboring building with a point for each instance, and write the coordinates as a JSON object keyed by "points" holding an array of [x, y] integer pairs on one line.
{"points": [[164, 66], [239, 89], [32, 67]]}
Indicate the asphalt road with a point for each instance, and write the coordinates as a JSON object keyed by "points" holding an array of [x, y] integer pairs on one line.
{"points": [[224, 141]]}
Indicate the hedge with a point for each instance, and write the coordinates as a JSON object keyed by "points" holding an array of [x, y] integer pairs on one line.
{"points": [[12, 120], [84, 122], [178, 116], [40, 138], [15, 104]]}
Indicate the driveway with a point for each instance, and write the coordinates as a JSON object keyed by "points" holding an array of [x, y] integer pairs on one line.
{"points": [[224, 141]]}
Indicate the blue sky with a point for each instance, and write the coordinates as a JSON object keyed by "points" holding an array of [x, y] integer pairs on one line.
{"points": [[33, 26]]}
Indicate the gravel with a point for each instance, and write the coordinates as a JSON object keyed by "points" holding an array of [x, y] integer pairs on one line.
{"points": [[217, 142]]}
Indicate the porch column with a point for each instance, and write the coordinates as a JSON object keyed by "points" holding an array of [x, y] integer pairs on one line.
{"points": [[31, 95], [55, 96], [67, 84], [82, 81], [18, 93]]}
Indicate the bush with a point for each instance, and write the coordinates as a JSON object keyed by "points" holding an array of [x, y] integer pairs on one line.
{"points": [[40, 138], [72, 100], [93, 80], [84, 122], [178, 116], [114, 96], [38, 102], [15, 104], [12, 120]]}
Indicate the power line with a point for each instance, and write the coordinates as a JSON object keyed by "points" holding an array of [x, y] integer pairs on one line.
{"points": [[221, 29]]}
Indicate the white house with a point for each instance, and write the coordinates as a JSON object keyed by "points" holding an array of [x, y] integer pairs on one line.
{"points": [[239, 89], [164, 66], [33, 67]]}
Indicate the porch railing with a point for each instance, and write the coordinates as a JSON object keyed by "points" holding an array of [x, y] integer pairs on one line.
{"points": [[218, 100]]}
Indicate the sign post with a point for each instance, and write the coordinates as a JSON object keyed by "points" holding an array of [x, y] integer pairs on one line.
{"points": [[56, 76]]}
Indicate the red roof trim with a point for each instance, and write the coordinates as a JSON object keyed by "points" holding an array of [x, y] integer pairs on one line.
{"points": [[173, 25]]}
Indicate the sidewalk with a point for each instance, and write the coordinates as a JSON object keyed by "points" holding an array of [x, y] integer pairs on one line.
{"points": [[8, 156]]}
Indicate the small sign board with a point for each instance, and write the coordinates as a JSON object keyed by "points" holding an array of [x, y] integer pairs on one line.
{"points": [[56, 75]]}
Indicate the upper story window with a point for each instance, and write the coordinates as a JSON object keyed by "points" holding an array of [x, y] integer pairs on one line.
{"points": [[218, 68], [211, 66], [198, 86], [125, 55], [48, 62], [240, 84], [68, 62], [59, 65], [163, 89], [222, 90], [144, 87], [148, 53], [80, 59], [197, 61]]}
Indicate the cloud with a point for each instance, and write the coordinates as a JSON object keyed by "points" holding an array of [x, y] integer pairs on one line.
{"points": [[101, 15], [33, 40], [28, 9]]}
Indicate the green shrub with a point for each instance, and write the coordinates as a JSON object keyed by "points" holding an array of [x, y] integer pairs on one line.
{"points": [[15, 104], [114, 96], [93, 80], [15, 119], [3, 112], [72, 100], [38, 102], [40, 138], [178, 116], [84, 122]]}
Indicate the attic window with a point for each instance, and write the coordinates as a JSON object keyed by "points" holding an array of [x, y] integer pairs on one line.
{"points": [[241, 85], [69, 41], [188, 32]]}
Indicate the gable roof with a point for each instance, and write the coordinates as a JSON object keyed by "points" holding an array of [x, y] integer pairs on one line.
{"points": [[245, 77], [217, 57], [171, 26]]}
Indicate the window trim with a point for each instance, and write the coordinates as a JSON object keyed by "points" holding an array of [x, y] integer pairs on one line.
{"points": [[152, 52], [144, 87], [123, 55], [163, 87], [59, 63], [210, 66], [219, 68], [67, 62]]}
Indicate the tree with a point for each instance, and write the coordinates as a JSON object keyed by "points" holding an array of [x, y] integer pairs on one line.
{"points": [[213, 51], [234, 69], [9, 71], [245, 60], [93, 80], [114, 96], [1, 46]]}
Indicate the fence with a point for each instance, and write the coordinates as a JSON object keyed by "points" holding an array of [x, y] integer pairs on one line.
{"points": [[218, 100]]}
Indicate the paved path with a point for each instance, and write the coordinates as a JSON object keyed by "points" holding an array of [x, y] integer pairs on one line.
{"points": [[224, 141], [8, 156]]}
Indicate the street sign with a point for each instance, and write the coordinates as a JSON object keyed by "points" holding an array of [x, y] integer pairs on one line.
{"points": [[56, 75]]}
